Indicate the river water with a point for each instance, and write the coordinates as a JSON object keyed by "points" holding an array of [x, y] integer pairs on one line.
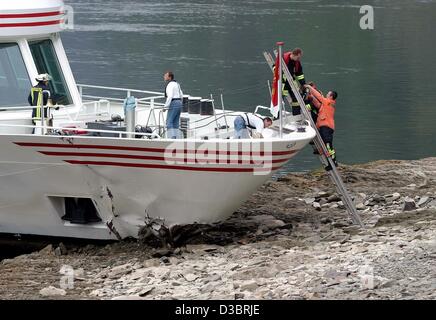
{"points": [[385, 77]]}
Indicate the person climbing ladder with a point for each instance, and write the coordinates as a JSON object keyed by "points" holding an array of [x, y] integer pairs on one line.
{"points": [[326, 118]]}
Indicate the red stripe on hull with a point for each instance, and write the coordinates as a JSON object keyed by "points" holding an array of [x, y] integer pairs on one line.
{"points": [[130, 156], [30, 24], [30, 15], [86, 146], [159, 166]]}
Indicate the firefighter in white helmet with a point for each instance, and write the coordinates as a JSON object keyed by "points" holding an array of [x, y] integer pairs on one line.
{"points": [[40, 96]]}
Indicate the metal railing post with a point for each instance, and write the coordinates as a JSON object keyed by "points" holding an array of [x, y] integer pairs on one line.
{"points": [[224, 112], [279, 87], [43, 119], [214, 113]]}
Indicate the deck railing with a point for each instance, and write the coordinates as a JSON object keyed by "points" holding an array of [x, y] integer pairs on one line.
{"points": [[54, 130]]}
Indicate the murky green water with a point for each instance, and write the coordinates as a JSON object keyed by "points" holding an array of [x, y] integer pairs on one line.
{"points": [[385, 77]]}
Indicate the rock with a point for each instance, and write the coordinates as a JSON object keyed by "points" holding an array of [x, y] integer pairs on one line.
{"points": [[200, 248], [322, 201], [145, 291], [323, 257], [377, 198], [333, 198], [317, 206], [126, 297], [360, 206], [52, 291], [162, 253], [151, 263], [165, 260], [47, 250], [432, 204], [323, 194], [289, 201], [191, 277], [261, 218], [326, 220], [395, 196], [57, 252], [250, 285], [120, 271], [409, 204], [423, 201], [274, 224], [61, 250], [309, 200]]}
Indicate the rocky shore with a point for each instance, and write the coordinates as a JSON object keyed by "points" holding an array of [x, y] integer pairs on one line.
{"points": [[291, 240]]}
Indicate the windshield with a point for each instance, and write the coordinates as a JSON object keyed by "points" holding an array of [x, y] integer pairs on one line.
{"points": [[46, 61], [14, 81]]}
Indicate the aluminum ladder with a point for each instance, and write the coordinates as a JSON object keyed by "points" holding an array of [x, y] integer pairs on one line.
{"points": [[324, 155]]}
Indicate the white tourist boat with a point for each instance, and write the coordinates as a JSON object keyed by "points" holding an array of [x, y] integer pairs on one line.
{"points": [[88, 177]]}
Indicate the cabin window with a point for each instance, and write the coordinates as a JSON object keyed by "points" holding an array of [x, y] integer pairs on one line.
{"points": [[14, 80], [46, 61]]}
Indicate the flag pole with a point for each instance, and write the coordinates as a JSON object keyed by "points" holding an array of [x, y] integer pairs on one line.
{"points": [[279, 87]]}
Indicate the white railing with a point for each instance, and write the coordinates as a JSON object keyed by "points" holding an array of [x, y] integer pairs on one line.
{"points": [[144, 98], [45, 128], [127, 92]]}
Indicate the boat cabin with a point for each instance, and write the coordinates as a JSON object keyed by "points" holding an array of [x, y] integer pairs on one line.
{"points": [[30, 44]]}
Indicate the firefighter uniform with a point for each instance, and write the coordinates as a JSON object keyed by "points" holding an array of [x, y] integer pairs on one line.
{"points": [[38, 98], [296, 70], [326, 120]]}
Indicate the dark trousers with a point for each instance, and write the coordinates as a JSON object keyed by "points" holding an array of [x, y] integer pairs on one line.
{"points": [[327, 136], [296, 109]]}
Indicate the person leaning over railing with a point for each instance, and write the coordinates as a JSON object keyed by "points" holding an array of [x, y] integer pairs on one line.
{"points": [[174, 96], [252, 121]]}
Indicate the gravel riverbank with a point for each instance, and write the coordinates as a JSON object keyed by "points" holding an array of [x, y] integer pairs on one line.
{"points": [[290, 240]]}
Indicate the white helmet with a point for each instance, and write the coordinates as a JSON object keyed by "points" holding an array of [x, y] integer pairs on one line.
{"points": [[43, 77]]}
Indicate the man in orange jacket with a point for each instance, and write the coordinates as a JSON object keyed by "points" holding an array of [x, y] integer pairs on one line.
{"points": [[326, 117]]}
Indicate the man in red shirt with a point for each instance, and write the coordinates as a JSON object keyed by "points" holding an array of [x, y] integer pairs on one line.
{"points": [[293, 61]]}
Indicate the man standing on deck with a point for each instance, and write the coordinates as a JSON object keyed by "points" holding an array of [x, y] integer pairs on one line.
{"points": [[326, 118], [174, 96], [39, 97]]}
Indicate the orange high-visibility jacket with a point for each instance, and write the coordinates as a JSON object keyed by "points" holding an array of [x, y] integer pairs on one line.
{"points": [[326, 114]]}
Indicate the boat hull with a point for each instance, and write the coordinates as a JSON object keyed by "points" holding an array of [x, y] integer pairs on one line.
{"points": [[181, 182]]}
